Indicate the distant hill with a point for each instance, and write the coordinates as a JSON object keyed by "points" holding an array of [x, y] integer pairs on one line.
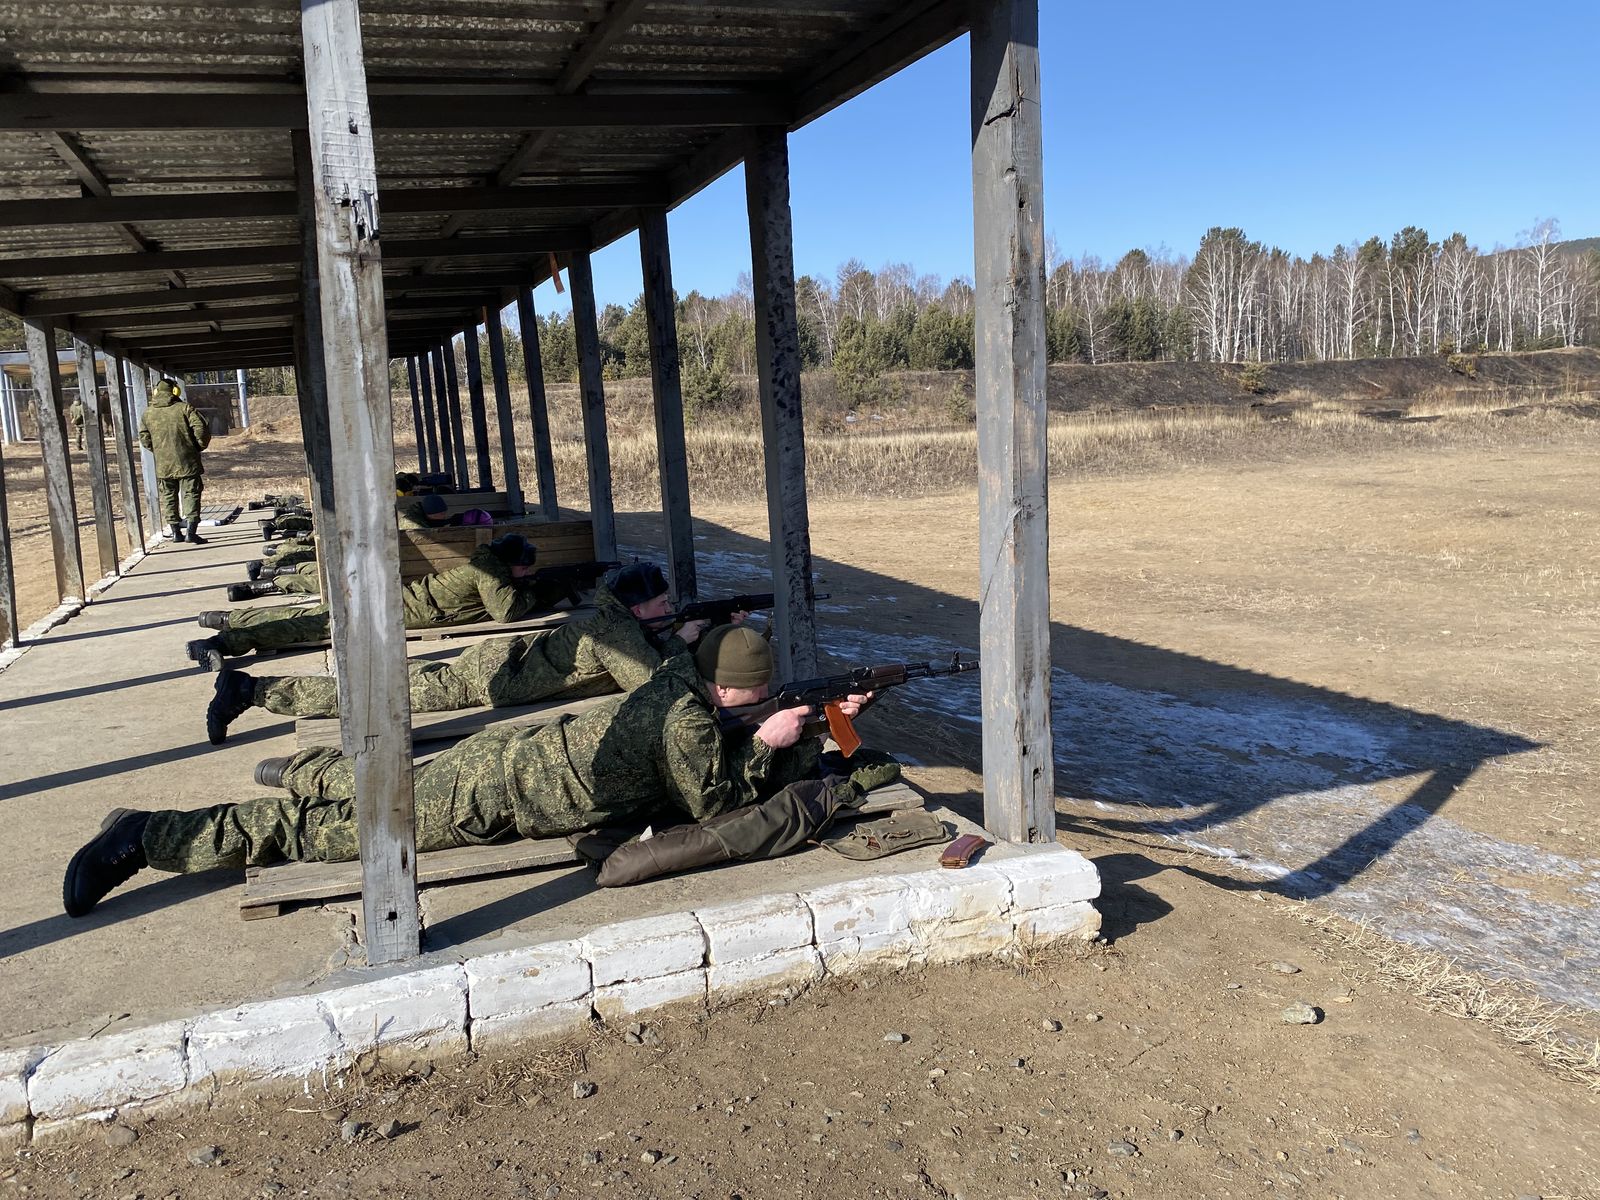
{"points": [[1579, 246]]}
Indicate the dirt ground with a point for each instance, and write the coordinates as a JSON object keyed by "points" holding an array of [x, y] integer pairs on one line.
{"points": [[1288, 695]]}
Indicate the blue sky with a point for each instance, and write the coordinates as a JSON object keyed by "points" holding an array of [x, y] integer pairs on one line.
{"points": [[1307, 125]]}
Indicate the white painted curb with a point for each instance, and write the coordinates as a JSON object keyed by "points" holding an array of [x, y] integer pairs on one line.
{"points": [[494, 1001]]}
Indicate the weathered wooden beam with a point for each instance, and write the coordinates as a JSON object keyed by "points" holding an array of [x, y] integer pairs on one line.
{"points": [[429, 433], [369, 636], [1013, 484], [122, 431], [95, 302], [592, 398], [60, 503], [766, 174], [447, 445], [116, 111], [10, 629], [139, 395], [416, 413], [105, 521], [511, 474], [458, 428], [661, 320], [538, 411], [476, 404], [206, 316]]}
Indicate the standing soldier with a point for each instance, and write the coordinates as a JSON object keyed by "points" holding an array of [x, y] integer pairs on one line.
{"points": [[76, 413], [176, 435]]}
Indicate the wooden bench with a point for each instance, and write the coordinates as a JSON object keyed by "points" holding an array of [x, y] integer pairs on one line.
{"points": [[424, 551], [460, 502], [267, 890], [453, 726]]}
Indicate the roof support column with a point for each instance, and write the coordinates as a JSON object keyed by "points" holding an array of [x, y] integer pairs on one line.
{"points": [[60, 502], [447, 450], [476, 405], [510, 472], [10, 631], [117, 394], [592, 398], [1013, 495], [458, 431], [369, 633], [766, 175], [139, 401], [416, 414], [544, 460], [428, 435], [661, 317], [105, 521]]}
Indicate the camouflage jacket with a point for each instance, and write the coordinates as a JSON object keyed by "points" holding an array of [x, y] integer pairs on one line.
{"points": [[411, 516], [175, 434], [659, 748], [482, 589]]}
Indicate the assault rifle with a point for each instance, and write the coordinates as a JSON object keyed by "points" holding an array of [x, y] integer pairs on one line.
{"points": [[718, 612], [571, 577], [828, 690]]}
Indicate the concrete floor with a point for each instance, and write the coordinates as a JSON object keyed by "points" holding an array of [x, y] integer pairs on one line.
{"points": [[106, 711]]}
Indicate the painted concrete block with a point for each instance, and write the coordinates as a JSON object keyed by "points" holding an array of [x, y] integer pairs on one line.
{"points": [[890, 949], [1041, 925], [511, 1029], [14, 1068], [969, 894], [526, 980], [1048, 877], [104, 1073], [797, 965], [273, 1039], [616, 1002], [426, 1010], [859, 908], [954, 941], [754, 928], [646, 948], [14, 1137]]}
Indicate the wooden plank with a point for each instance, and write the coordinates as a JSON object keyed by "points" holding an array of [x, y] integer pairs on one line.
{"points": [[447, 449], [460, 502], [458, 434], [1013, 495], [122, 432], [365, 598], [10, 631], [592, 397], [766, 174], [211, 315], [428, 434], [538, 410], [476, 406], [416, 413], [510, 473], [661, 319], [463, 722], [60, 502], [439, 633], [105, 521], [139, 379], [273, 887]]}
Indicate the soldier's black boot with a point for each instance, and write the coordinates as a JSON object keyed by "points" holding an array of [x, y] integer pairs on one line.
{"points": [[253, 569], [212, 618], [267, 530], [270, 771], [248, 591], [207, 652], [235, 695], [177, 532], [194, 532], [110, 859]]}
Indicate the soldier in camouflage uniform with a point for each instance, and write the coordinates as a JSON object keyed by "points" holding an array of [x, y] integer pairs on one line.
{"points": [[614, 650], [294, 571], [176, 435], [493, 585], [658, 750]]}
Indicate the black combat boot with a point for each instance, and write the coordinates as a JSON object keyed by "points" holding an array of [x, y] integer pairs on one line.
{"points": [[177, 532], [212, 618], [248, 591], [194, 532], [268, 529], [235, 695], [270, 771], [110, 859], [207, 652], [253, 569]]}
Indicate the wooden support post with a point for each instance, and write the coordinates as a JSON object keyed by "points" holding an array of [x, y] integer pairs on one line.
{"points": [[10, 631], [661, 316], [511, 473], [476, 406], [139, 394], [60, 502], [447, 449], [105, 520], [1013, 495], [458, 431], [121, 430], [430, 430], [592, 396], [369, 634], [766, 175], [544, 461], [416, 414]]}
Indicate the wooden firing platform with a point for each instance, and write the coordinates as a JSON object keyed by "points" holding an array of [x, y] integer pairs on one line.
{"points": [[439, 633], [458, 723], [268, 890]]}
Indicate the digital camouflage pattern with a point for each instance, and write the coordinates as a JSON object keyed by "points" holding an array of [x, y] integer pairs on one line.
{"points": [[304, 580], [411, 516], [175, 434], [188, 488], [481, 589], [607, 652], [657, 751], [292, 523]]}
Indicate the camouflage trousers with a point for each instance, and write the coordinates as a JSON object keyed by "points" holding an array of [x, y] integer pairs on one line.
{"points": [[295, 556], [273, 627], [190, 487], [292, 523], [461, 800], [304, 580]]}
